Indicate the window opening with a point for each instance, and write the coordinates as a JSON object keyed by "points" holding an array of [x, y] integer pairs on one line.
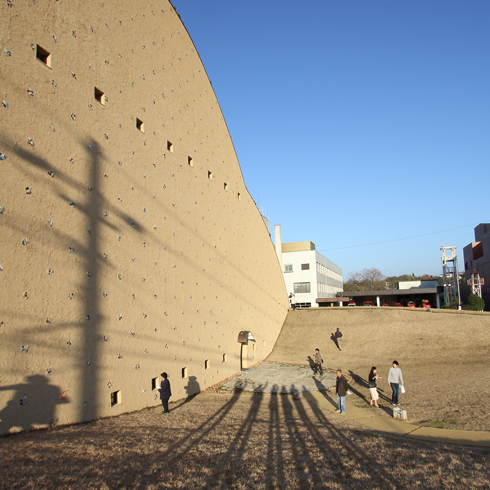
{"points": [[43, 56], [99, 95]]}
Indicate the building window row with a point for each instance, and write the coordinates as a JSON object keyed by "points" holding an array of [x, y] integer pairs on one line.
{"points": [[302, 287]]}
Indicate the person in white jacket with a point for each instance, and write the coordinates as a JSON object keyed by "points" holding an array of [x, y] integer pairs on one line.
{"points": [[395, 379]]}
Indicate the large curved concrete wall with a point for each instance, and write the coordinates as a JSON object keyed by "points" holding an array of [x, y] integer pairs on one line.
{"points": [[129, 243]]}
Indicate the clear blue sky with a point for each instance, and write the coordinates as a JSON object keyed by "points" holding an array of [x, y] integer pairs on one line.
{"points": [[363, 126]]}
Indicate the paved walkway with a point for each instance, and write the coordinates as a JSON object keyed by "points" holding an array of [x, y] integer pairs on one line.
{"points": [[288, 378]]}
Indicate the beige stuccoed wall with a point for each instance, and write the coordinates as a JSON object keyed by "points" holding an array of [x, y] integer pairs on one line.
{"points": [[167, 265]]}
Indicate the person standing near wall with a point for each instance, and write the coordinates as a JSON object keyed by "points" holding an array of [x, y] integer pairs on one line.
{"points": [[292, 301], [165, 392], [395, 379]]}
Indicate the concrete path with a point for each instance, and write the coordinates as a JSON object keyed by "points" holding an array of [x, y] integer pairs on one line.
{"points": [[288, 378], [281, 378]]}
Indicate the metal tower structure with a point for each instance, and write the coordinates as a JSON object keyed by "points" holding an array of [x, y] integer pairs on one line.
{"points": [[450, 277], [476, 282]]}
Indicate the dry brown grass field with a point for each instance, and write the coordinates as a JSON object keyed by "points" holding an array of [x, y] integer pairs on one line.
{"points": [[241, 441], [444, 357]]}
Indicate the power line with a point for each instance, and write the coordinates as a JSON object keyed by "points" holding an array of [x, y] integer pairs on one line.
{"points": [[396, 239]]}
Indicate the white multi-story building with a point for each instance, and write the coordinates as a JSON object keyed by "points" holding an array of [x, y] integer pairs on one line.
{"points": [[307, 273]]}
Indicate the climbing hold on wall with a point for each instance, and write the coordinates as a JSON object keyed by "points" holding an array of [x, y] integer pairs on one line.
{"points": [[30, 142], [146, 351], [48, 320], [133, 334], [74, 33], [119, 317], [89, 274], [25, 348], [72, 160], [105, 295], [70, 295], [89, 230], [119, 356], [5, 104], [73, 75], [109, 384], [23, 400], [69, 342], [71, 203], [133, 296], [105, 256], [74, 117], [85, 404], [119, 276], [50, 271], [137, 366], [25, 241], [53, 83], [87, 317], [88, 363], [28, 191], [48, 371], [64, 394], [51, 173], [90, 188], [143, 391], [25, 295], [91, 28], [55, 39], [106, 338], [7, 52], [51, 128], [71, 249], [2, 156], [144, 315], [106, 136]]}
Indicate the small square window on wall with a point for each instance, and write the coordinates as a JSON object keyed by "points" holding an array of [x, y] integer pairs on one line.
{"points": [[210, 175], [206, 364], [115, 398], [224, 358], [43, 56], [239, 196], [154, 384], [140, 125], [99, 95], [302, 287], [170, 147], [305, 267], [184, 372], [190, 161], [225, 186], [288, 267]]}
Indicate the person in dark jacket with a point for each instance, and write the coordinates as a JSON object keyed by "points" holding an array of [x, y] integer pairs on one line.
{"points": [[165, 392], [318, 362], [338, 338], [341, 389]]}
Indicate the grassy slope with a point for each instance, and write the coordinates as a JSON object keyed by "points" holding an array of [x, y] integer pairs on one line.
{"points": [[444, 357]]}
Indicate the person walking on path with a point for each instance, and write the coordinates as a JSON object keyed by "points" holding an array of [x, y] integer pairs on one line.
{"points": [[292, 301], [372, 387], [318, 362], [338, 338], [165, 392], [341, 390], [395, 378]]}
